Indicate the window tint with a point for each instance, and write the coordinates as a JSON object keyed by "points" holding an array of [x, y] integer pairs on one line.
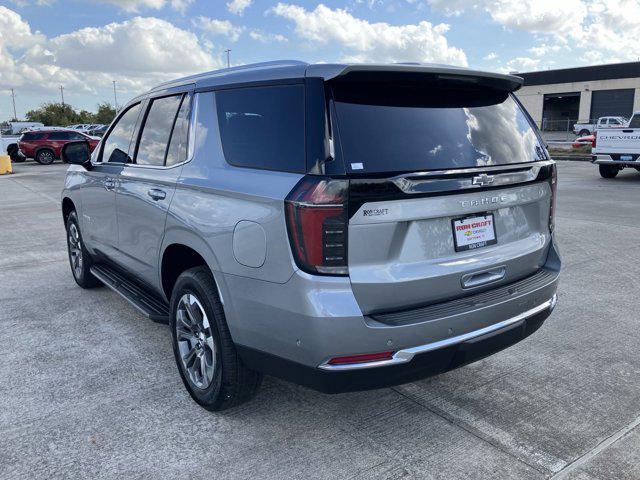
{"points": [[635, 121], [156, 131], [263, 127], [26, 137], [180, 137], [423, 127], [59, 136], [116, 146]]}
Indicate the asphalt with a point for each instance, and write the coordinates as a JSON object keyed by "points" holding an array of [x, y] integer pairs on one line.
{"points": [[89, 389]]}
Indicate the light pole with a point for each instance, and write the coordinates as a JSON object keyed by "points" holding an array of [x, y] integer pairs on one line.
{"points": [[115, 96], [62, 94], [228, 62], [13, 99]]}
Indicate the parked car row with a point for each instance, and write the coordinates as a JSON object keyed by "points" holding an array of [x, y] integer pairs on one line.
{"points": [[45, 145]]}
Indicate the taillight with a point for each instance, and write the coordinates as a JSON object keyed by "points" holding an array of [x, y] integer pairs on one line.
{"points": [[554, 194], [316, 213]]}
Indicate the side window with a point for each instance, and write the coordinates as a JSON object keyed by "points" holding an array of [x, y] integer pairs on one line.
{"points": [[179, 143], [156, 131], [59, 136], [116, 145], [263, 127], [613, 121], [76, 136]]}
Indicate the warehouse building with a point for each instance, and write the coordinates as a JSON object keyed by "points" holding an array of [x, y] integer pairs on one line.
{"points": [[558, 98]]}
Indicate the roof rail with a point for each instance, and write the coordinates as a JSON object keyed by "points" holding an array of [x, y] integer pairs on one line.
{"points": [[239, 68]]}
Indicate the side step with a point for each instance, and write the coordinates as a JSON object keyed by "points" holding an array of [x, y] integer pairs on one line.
{"points": [[149, 305]]}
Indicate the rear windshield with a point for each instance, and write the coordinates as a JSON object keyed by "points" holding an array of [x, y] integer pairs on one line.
{"points": [[415, 127]]}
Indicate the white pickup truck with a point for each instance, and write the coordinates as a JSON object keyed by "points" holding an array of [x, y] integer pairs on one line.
{"points": [[583, 129], [617, 148]]}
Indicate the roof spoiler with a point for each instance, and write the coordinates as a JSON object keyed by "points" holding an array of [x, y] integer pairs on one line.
{"points": [[415, 73]]}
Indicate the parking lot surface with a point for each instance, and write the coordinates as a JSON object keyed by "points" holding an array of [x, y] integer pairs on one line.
{"points": [[89, 388]]}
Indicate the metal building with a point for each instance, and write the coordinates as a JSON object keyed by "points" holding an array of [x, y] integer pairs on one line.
{"points": [[556, 99]]}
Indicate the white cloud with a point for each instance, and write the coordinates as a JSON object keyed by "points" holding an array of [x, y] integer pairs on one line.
{"points": [[238, 6], [522, 64], [364, 41], [529, 15], [490, 56], [136, 5], [218, 27], [267, 37], [137, 53]]}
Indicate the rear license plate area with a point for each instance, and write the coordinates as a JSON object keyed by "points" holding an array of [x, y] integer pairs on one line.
{"points": [[473, 232]]}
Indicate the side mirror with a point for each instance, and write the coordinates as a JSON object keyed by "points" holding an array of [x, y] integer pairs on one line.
{"points": [[77, 153]]}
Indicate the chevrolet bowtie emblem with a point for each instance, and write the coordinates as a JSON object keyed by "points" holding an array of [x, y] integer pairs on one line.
{"points": [[483, 179]]}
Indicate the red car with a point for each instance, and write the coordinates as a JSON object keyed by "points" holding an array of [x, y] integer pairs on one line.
{"points": [[45, 145]]}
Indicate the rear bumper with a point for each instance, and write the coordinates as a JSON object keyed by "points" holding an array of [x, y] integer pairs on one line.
{"points": [[291, 330], [609, 160], [426, 360]]}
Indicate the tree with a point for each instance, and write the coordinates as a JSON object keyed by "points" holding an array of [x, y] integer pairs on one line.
{"points": [[54, 114], [105, 114], [62, 115]]}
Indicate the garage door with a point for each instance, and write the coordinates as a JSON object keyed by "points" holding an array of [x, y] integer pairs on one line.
{"points": [[605, 103]]}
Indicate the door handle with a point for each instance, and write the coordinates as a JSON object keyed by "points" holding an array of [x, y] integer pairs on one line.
{"points": [[109, 184], [482, 278], [157, 194]]}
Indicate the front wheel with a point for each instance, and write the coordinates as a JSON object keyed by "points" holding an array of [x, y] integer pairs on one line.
{"points": [[584, 133], [45, 157], [608, 171], [79, 258], [207, 360]]}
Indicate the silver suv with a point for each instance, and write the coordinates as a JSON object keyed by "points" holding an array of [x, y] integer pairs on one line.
{"points": [[344, 227]]}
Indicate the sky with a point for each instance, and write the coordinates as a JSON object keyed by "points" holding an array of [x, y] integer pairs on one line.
{"points": [[85, 45]]}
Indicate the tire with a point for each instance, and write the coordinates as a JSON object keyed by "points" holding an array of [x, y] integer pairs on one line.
{"points": [[79, 259], [584, 133], [608, 171], [209, 365], [45, 157], [14, 153]]}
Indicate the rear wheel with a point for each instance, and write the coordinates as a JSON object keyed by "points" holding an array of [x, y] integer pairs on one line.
{"points": [[45, 157], [207, 360], [584, 133], [79, 259], [608, 171]]}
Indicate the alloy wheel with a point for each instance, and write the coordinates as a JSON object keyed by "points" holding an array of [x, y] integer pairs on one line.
{"points": [[195, 341], [75, 250]]}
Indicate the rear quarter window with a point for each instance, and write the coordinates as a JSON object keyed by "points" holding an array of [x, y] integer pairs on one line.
{"points": [[28, 137], [263, 127]]}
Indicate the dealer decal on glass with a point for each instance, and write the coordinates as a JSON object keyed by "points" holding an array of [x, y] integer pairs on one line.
{"points": [[470, 233]]}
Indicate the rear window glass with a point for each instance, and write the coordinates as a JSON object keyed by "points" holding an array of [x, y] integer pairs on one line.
{"points": [[635, 121], [263, 127], [413, 128]]}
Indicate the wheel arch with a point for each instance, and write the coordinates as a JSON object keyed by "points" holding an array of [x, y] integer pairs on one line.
{"points": [[180, 252], [67, 207]]}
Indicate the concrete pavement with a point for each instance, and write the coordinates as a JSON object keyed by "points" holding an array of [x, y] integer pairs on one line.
{"points": [[89, 389]]}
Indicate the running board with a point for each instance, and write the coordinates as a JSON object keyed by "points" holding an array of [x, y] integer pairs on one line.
{"points": [[149, 305]]}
